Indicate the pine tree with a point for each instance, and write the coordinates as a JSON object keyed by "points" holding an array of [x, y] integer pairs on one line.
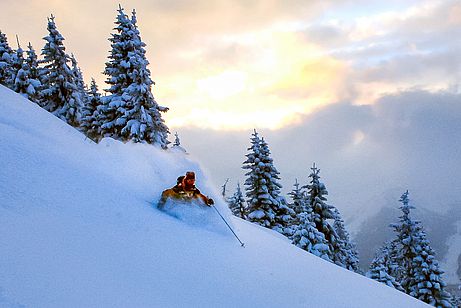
{"points": [[237, 203], [265, 205], [21, 79], [346, 254], [456, 300], [379, 270], [418, 271], [321, 212], [425, 281], [60, 94], [389, 255], [78, 77], [18, 80], [90, 123], [177, 142], [31, 68], [6, 54], [407, 231], [298, 207], [283, 213], [131, 112], [307, 237], [299, 199]]}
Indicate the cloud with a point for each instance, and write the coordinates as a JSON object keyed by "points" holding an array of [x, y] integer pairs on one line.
{"points": [[395, 49], [265, 63], [367, 154]]}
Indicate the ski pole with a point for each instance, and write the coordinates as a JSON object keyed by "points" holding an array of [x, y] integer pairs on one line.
{"points": [[241, 243]]}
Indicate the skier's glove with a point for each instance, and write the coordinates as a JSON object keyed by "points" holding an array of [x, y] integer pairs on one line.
{"points": [[210, 202]]}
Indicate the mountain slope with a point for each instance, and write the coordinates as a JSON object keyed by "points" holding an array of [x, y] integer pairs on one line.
{"points": [[77, 230]]}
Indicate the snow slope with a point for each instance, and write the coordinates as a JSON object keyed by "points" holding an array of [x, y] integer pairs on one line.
{"points": [[77, 230]]}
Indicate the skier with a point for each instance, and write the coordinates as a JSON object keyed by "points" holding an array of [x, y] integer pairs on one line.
{"points": [[184, 191]]}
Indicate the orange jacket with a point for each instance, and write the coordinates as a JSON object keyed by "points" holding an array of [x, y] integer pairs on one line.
{"points": [[180, 194]]}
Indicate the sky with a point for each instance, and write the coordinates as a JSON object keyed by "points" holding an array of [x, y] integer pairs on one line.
{"points": [[236, 65], [369, 90]]}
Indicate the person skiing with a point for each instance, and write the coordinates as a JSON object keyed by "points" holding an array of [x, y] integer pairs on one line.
{"points": [[184, 191]]}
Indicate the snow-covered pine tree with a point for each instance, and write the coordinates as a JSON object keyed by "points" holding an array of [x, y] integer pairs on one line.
{"points": [[259, 209], [388, 253], [90, 123], [299, 198], [407, 232], [346, 254], [117, 67], [307, 237], [379, 270], [456, 300], [298, 207], [418, 271], [131, 112], [78, 77], [283, 213], [425, 281], [60, 94], [177, 142], [18, 80], [6, 54], [265, 205], [237, 203], [34, 86], [321, 212]]}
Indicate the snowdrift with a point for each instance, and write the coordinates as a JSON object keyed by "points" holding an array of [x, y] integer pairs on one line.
{"points": [[78, 229]]}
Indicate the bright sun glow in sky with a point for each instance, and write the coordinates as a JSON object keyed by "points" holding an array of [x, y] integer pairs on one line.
{"points": [[223, 85], [239, 65]]}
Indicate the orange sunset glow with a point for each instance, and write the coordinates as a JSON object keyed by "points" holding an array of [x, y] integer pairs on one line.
{"points": [[232, 65]]}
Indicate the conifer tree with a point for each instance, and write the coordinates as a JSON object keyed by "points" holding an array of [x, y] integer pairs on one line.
{"points": [[131, 112], [78, 77], [321, 212], [283, 213], [237, 203], [21, 79], [90, 123], [177, 142], [34, 86], [224, 188], [6, 54], [299, 198], [418, 271], [379, 270], [60, 94], [265, 205], [307, 237], [407, 231], [298, 207], [389, 255], [18, 80], [345, 254], [426, 282], [456, 300]]}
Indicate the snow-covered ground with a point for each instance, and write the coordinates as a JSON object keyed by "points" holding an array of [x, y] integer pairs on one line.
{"points": [[78, 229]]}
